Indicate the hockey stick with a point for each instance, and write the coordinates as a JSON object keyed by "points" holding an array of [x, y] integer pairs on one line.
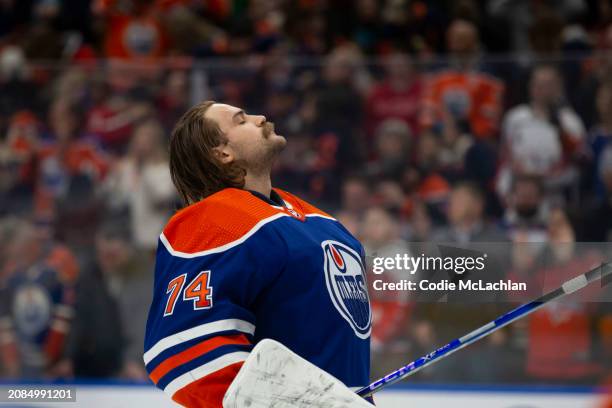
{"points": [[568, 287]]}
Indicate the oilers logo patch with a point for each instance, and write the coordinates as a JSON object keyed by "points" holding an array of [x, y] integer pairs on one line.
{"points": [[345, 281], [32, 309]]}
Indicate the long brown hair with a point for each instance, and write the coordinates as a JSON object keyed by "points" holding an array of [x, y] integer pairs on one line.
{"points": [[196, 172]]}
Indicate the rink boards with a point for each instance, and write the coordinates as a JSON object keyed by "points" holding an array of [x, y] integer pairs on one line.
{"points": [[118, 395]]}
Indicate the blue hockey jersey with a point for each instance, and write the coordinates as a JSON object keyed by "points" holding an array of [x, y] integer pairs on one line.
{"points": [[238, 267]]}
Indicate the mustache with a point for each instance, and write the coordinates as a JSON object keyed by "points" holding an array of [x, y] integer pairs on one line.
{"points": [[268, 128]]}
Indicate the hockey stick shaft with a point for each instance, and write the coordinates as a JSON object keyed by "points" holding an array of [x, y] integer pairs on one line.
{"points": [[568, 287]]}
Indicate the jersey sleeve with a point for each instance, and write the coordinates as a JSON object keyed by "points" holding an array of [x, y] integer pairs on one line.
{"points": [[201, 322]]}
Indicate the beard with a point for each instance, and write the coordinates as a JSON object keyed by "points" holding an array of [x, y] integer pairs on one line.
{"points": [[267, 130], [274, 143], [259, 157], [271, 149]]}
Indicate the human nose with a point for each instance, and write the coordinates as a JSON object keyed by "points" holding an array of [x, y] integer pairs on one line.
{"points": [[260, 120]]}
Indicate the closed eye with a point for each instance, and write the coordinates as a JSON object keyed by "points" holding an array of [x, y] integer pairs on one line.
{"points": [[239, 118]]}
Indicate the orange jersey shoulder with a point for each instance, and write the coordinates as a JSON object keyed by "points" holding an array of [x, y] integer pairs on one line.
{"points": [[219, 220]]}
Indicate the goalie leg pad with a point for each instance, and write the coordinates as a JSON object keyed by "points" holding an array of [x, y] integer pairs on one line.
{"points": [[274, 376]]}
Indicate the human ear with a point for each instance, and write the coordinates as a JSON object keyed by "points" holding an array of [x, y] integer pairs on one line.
{"points": [[224, 153]]}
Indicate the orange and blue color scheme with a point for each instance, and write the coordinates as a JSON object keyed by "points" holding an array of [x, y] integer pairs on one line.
{"points": [[238, 267]]}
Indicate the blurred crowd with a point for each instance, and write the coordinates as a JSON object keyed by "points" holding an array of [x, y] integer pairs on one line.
{"points": [[410, 121], [152, 29]]}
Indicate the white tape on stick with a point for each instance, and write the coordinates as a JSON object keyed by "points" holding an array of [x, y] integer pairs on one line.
{"points": [[575, 284]]}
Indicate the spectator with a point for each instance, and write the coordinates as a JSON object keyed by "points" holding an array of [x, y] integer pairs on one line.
{"points": [[137, 34], [543, 137], [381, 239], [466, 218], [18, 164], [534, 26], [307, 26], [356, 196], [392, 147], [69, 172], [23, 138], [38, 311], [601, 134], [419, 227], [174, 98], [111, 120], [140, 185], [389, 194], [462, 95], [191, 33], [525, 261], [112, 292], [336, 123], [41, 40], [560, 334], [598, 218], [65, 158], [72, 85], [527, 210], [9, 353], [425, 179], [597, 72], [397, 96]]}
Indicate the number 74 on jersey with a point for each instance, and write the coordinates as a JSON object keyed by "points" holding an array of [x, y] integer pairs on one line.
{"points": [[198, 291]]}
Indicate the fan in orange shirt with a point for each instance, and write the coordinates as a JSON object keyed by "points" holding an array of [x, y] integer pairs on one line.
{"points": [[134, 35], [463, 94]]}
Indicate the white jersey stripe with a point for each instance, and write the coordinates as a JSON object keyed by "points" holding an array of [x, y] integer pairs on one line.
{"points": [[195, 332], [204, 370]]}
